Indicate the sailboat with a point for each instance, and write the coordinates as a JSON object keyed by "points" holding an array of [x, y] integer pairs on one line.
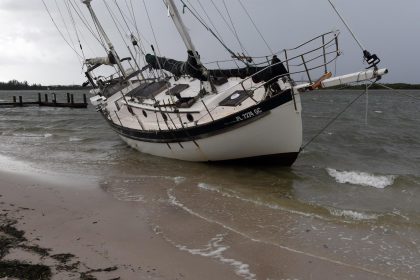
{"points": [[190, 111]]}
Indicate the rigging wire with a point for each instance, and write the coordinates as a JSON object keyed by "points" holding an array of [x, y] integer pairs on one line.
{"points": [[222, 17], [59, 31], [399, 92], [214, 34], [196, 12], [234, 30], [130, 11], [77, 35], [227, 24], [255, 26], [347, 26], [75, 29], [215, 29], [85, 22], [116, 22], [209, 19], [134, 23], [162, 73], [336, 117], [64, 22], [140, 37], [151, 26], [122, 16], [372, 59], [134, 19]]}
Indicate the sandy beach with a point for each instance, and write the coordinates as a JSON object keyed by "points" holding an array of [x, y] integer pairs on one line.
{"points": [[59, 227], [99, 237]]}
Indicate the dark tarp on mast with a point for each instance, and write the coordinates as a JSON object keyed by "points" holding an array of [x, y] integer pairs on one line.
{"points": [[191, 68]]}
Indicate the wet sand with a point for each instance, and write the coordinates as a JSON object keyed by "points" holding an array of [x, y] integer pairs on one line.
{"points": [[104, 238], [76, 229]]}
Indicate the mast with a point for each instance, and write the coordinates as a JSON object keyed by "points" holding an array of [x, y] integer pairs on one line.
{"points": [[105, 36], [183, 32]]}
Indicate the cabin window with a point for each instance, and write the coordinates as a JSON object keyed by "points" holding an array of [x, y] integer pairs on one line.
{"points": [[130, 109], [190, 117]]}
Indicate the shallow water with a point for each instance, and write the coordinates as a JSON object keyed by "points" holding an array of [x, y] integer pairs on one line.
{"points": [[351, 199]]}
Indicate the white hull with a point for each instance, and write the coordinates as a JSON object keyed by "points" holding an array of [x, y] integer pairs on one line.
{"points": [[278, 133]]}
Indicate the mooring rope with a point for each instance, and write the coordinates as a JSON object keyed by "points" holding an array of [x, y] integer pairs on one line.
{"points": [[336, 117]]}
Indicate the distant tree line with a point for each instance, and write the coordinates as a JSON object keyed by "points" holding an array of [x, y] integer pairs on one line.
{"points": [[16, 85], [378, 86], [394, 86]]}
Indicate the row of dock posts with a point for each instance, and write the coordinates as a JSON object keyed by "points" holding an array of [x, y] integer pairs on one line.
{"points": [[18, 102]]}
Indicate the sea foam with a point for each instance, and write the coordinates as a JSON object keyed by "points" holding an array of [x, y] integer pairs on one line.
{"points": [[351, 214], [75, 139], [362, 178], [214, 249]]}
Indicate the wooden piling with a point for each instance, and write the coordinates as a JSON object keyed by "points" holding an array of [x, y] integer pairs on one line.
{"points": [[68, 97], [18, 102]]}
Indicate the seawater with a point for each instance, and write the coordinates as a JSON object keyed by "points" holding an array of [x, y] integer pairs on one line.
{"points": [[352, 197]]}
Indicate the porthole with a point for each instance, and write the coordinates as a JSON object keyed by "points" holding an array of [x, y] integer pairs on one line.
{"points": [[190, 117], [144, 114]]}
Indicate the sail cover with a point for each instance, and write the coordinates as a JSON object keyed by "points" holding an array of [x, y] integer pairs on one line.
{"points": [[191, 68]]}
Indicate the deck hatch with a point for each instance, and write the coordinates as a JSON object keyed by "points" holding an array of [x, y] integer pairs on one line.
{"points": [[235, 98]]}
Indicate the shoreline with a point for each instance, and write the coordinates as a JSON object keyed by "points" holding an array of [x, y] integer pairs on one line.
{"points": [[57, 228], [79, 233]]}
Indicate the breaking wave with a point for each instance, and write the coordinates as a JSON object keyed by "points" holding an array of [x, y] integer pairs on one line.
{"points": [[362, 178]]}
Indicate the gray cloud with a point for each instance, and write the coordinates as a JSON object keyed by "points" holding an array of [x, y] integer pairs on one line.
{"points": [[31, 49]]}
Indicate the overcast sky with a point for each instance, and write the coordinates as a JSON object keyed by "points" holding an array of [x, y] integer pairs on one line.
{"points": [[32, 49]]}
